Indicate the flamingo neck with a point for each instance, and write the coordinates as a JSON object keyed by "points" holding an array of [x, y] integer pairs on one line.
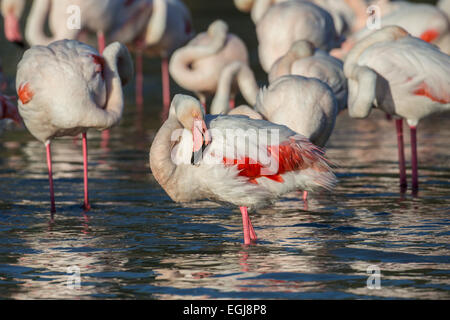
{"points": [[37, 20], [158, 23]]}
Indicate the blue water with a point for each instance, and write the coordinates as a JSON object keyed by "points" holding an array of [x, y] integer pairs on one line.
{"points": [[137, 243]]}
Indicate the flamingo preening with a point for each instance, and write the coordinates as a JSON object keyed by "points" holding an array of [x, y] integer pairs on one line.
{"points": [[197, 66], [195, 157], [66, 88], [402, 75]]}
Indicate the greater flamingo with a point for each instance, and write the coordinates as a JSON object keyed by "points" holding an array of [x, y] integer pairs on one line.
{"points": [[197, 66], [102, 17], [421, 20], [304, 59], [250, 175], [66, 88], [402, 75], [289, 21], [169, 28], [12, 12]]}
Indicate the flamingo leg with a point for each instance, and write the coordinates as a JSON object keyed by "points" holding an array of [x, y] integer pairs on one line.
{"points": [[245, 224], [401, 153], [139, 79], [414, 167], [101, 41], [87, 206], [232, 103], [166, 86], [50, 177], [253, 236]]}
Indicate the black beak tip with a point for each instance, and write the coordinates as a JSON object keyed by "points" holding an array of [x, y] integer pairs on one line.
{"points": [[21, 44]]}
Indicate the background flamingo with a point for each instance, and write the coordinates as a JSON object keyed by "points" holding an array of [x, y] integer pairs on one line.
{"points": [[305, 60], [66, 88], [402, 75], [169, 28], [197, 66], [186, 175], [286, 22]]}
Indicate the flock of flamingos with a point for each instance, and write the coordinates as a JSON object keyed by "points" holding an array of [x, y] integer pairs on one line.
{"points": [[321, 57]]}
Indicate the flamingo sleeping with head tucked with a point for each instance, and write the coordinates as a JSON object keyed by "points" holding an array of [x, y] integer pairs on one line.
{"points": [[66, 88], [305, 60], [195, 157], [289, 21], [402, 75], [197, 66]]}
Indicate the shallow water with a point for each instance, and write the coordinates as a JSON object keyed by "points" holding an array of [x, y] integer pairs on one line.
{"points": [[137, 243]]}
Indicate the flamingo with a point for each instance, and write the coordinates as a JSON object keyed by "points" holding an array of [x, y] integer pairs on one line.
{"points": [[402, 75], [169, 28], [421, 20], [250, 175], [101, 17], [12, 12], [289, 21], [197, 66], [66, 88], [305, 60]]}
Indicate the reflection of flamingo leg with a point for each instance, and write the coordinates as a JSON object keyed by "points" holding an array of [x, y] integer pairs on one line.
{"points": [[139, 79], [414, 168], [50, 177], [166, 86], [87, 206], [401, 153], [253, 236]]}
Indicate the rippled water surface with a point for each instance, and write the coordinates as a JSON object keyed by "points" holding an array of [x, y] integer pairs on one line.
{"points": [[137, 243]]}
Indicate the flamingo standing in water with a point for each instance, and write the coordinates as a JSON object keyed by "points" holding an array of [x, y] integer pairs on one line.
{"points": [[169, 28], [66, 88], [250, 175], [197, 66], [286, 22], [304, 59], [402, 75], [101, 17]]}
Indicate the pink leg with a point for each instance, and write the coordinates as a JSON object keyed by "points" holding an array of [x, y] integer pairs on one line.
{"points": [[166, 86], [305, 196], [415, 176], [245, 224], [253, 236], [232, 103], [105, 139], [139, 80], [401, 153], [50, 177], [87, 206], [101, 41]]}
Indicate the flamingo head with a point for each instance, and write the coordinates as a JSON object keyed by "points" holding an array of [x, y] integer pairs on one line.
{"points": [[190, 114], [12, 11]]}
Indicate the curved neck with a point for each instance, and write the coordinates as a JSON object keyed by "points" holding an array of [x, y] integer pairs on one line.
{"points": [[246, 82], [180, 66], [34, 31], [161, 162], [157, 24]]}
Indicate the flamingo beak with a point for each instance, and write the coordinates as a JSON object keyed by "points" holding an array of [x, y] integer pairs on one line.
{"points": [[12, 29], [201, 138]]}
